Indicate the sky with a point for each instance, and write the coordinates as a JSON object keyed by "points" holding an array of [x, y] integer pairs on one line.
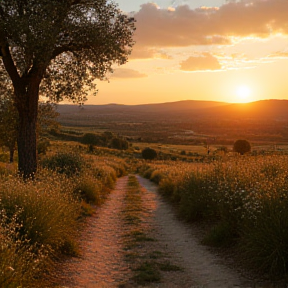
{"points": [[214, 50]]}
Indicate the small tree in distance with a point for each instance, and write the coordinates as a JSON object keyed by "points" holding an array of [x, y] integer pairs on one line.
{"points": [[149, 154], [242, 147]]}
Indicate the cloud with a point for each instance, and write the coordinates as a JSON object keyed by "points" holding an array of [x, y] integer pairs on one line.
{"points": [[127, 73], [278, 55], [205, 61], [147, 53], [184, 26]]}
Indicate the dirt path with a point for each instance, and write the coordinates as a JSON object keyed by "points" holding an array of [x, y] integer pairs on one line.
{"points": [[103, 264], [204, 267]]}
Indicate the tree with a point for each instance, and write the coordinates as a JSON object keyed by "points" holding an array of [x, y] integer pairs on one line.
{"points": [[149, 153], [57, 48], [242, 146]]}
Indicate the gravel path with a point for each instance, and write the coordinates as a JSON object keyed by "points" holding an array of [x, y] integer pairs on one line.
{"points": [[103, 264]]}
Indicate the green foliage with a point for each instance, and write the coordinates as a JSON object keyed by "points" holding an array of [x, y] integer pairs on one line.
{"points": [[69, 164], [242, 147], [149, 153]]}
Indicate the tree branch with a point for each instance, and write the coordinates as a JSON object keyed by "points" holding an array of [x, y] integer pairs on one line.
{"points": [[7, 59]]}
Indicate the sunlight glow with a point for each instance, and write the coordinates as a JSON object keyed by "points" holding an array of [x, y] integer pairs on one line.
{"points": [[243, 94]]}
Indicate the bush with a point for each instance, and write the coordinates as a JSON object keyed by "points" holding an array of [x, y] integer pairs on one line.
{"points": [[91, 138], [156, 176], [64, 163], [149, 154], [89, 190], [242, 147], [118, 143]]}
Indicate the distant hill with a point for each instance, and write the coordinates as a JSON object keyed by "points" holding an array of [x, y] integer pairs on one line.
{"points": [[264, 109], [186, 105]]}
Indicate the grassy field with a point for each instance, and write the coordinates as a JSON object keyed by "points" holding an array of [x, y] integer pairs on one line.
{"points": [[242, 200]]}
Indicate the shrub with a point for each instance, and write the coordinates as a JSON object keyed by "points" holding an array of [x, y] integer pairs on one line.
{"points": [[89, 190], [149, 154], [64, 163], [167, 187], [242, 147], [118, 143], [91, 138], [156, 177]]}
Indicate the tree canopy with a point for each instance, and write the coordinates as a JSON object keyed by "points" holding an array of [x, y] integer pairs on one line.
{"points": [[241, 146], [57, 48]]}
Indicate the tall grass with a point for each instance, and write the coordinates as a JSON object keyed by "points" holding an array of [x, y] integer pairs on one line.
{"points": [[246, 198], [39, 219], [38, 222]]}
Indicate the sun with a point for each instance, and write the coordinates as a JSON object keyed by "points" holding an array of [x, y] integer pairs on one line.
{"points": [[243, 93]]}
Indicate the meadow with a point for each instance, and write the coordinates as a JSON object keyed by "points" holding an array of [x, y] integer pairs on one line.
{"points": [[241, 201]]}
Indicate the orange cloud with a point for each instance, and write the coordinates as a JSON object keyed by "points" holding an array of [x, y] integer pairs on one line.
{"points": [[280, 55], [205, 61], [147, 53], [184, 26], [127, 73]]}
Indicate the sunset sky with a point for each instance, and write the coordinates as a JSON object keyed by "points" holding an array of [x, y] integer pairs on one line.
{"points": [[231, 51]]}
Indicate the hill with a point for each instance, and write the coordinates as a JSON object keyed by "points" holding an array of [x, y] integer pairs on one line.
{"points": [[186, 105], [185, 122], [265, 109]]}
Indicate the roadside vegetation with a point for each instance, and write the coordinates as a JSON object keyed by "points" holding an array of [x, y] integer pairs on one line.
{"points": [[243, 199], [40, 219]]}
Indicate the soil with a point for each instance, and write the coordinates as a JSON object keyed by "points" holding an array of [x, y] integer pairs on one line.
{"points": [[103, 264]]}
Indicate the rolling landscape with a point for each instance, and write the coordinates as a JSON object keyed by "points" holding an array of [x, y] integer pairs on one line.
{"points": [[186, 122]]}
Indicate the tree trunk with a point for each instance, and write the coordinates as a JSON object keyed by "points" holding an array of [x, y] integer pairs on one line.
{"points": [[11, 152], [27, 148], [27, 153]]}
